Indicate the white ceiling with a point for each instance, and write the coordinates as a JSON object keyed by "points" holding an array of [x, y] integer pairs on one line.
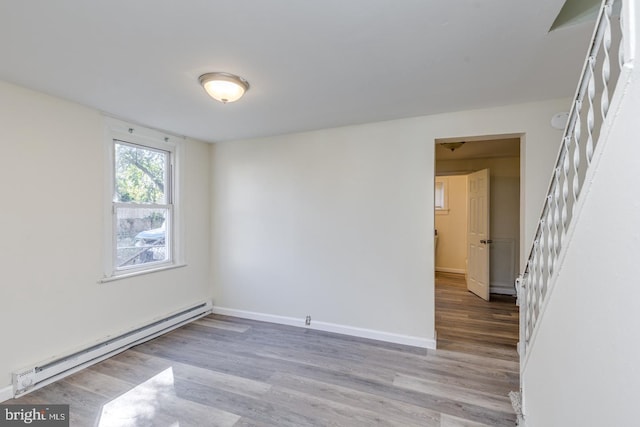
{"points": [[311, 64]]}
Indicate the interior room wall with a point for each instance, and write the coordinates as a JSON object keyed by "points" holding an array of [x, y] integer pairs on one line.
{"points": [[324, 225], [338, 223], [451, 250], [53, 179], [504, 212]]}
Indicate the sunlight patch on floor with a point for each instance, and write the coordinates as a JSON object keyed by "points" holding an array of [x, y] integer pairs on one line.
{"points": [[156, 402], [140, 405]]}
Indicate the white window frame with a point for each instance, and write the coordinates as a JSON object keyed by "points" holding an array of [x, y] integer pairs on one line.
{"points": [[136, 135], [441, 195]]}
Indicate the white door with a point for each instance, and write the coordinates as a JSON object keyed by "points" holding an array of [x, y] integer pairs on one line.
{"points": [[478, 234]]}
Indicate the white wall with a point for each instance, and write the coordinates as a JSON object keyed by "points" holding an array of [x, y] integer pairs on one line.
{"points": [[52, 250], [338, 223], [325, 225], [583, 365], [451, 251]]}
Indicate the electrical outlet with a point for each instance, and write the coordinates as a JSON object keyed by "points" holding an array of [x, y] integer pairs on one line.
{"points": [[307, 321]]}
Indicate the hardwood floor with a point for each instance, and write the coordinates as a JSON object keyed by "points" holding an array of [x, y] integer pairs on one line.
{"points": [[467, 323], [234, 372]]}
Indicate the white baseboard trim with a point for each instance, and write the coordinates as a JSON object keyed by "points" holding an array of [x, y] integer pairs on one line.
{"points": [[503, 289], [451, 270], [330, 327], [6, 393]]}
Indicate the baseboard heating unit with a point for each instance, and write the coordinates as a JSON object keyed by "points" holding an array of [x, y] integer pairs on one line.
{"points": [[33, 378]]}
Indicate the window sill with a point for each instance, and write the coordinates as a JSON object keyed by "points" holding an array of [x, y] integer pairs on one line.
{"points": [[139, 273], [442, 211]]}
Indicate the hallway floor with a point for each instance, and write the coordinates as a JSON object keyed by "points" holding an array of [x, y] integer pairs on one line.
{"points": [[467, 323]]}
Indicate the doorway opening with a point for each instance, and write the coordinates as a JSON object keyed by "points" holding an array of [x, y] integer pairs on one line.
{"points": [[463, 319]]}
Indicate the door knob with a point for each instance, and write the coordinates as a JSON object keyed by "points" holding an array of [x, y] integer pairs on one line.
{"points": [[484, 242]]}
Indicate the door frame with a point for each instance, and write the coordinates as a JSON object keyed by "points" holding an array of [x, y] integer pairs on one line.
{"points": [[522, 137]]}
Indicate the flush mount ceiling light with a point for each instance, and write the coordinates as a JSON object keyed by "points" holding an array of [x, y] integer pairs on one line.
{"points": [[453, 146], [224, 87]]}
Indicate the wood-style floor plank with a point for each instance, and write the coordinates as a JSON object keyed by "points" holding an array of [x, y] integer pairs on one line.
{"points": [[467, 323], [227, 371]]}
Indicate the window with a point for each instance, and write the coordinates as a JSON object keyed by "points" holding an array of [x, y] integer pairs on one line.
{"points": [[441, 195], [142, 205], [142, 231]]}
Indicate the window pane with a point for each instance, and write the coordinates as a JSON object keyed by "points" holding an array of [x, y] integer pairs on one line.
{"points": [[439, 195], [141, 236], [140, 174]]}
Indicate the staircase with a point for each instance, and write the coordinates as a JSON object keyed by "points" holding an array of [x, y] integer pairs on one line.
{"points": [[606, 79]]}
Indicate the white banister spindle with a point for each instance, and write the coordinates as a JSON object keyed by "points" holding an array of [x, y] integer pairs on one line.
{"points": [[550, 239], [531, 289], [576, 155], [521, 292], [533, 292], [524, 312], [574, 160], [525, 307], [541, 263], [564, 152], [606, 66], [556, 218], [591, 93]]}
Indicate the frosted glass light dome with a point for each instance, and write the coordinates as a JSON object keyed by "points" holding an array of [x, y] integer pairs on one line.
{"points": [[224, 87]]}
